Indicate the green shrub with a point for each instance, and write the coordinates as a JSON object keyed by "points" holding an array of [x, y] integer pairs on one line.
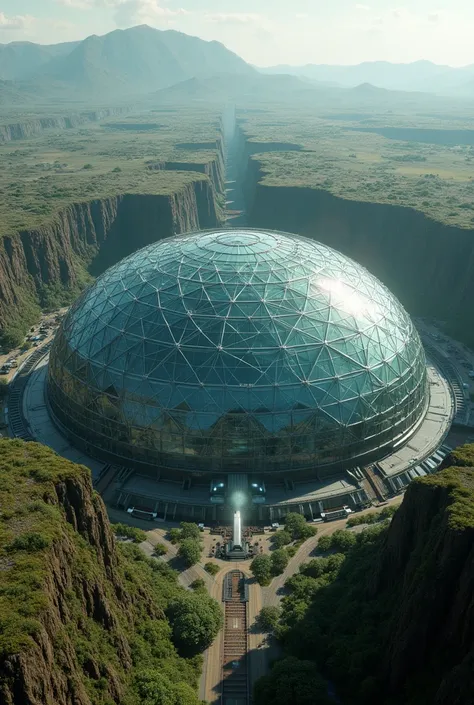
{"points": [[324, 543], [198, 584], [174, 535], [160, 549], [189, 530], [261, 567], [268, 618], [129, 532], [190, 551], [279, 560], [30, 542], [211, 568], [298, 528], [3, 388], [281, 538], [343, 540]]}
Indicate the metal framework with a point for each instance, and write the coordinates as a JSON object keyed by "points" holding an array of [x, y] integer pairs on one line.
{"points": [[237, 351]]}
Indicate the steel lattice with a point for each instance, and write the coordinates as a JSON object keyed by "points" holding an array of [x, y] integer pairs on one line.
{"points": [[238, 349]]}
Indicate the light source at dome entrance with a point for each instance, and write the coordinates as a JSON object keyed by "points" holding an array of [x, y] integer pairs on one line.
{"points": [[239, 351], [238, 499]]}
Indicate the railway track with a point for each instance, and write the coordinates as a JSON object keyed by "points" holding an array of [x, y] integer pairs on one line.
{"points": [[16, 420], [235, 675]]}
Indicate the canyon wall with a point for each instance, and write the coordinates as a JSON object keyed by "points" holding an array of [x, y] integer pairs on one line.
{"points": [[81, 618], [29, 127], [429, 557], [93, 234], [429, 266]]}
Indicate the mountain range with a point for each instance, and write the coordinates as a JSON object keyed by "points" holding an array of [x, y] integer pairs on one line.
{"points": [[124, 62], [142, 60], [416, 76]]}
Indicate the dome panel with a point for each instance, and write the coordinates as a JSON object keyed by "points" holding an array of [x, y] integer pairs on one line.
{"points": [[206, 352]]}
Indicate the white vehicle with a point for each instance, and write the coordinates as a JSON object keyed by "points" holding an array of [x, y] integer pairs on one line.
{"points": [[334, 514]]}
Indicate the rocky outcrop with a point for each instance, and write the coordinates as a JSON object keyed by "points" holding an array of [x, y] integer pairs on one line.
{"points": [[76, 621], [429, 557], [28, 128], [97, 233]]}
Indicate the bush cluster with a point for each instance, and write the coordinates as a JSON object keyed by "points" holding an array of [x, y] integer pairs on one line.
{"points": [[188, 536], [129, 532]]}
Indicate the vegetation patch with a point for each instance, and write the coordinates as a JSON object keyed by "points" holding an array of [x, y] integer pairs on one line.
{"points": [[118, 623]]}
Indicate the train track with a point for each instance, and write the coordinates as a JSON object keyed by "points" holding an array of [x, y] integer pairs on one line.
{"points": [[16, 419], [235, 675]]}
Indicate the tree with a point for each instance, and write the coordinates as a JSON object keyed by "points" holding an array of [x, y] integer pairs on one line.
{"points": [[281, 538], [325, 543], [211, 568], [195, 621], [189, 530], [154, 687], [190, 551], [343, 540], [160, 549], [291, 681], [268, 618], [297, 527], [261, 567], [279, 561]]}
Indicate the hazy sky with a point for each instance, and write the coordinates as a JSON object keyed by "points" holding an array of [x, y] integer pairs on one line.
{"points": [[267, 32]]}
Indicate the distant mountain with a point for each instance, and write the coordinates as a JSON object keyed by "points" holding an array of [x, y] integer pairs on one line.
{"points": [[234, 86], [417, 76], [19, 60], [123, 62]]}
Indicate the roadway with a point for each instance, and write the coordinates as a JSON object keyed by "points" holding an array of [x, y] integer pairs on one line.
{"points": [[261, 650]]}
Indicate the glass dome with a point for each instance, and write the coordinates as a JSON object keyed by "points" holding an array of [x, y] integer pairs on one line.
{"points": [[237, 350]]}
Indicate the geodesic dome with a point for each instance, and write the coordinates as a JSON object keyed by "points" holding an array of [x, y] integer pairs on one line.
{"points": [[237, 350]]}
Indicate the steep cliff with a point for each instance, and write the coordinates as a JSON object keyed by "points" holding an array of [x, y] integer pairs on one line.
{"points": [[95, 234], [428, 265], [34, 126], [81, 622], [389, 619], [429, 556]]}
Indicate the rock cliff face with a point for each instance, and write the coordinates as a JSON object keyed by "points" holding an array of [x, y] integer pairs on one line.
{"points": [[71, 607], [96, 233], [29, 128], [428, 266], [429, 557]]}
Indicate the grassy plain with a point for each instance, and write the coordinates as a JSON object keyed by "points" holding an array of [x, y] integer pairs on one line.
{"points": [[42, 174], [430, 168]]}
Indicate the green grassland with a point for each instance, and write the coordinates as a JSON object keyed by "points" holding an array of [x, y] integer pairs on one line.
{"points": [[136, 650], [431, 176], [42, 174]]}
